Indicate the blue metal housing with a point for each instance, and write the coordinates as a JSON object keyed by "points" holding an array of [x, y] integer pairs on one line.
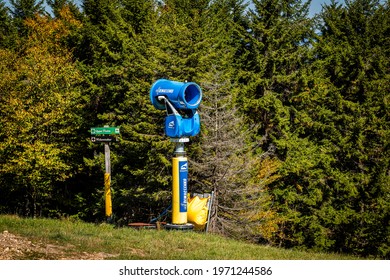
{"points": [[183, 96], [177, 127]]}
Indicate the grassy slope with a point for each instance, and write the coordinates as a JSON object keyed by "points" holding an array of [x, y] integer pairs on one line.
{"points": [[127, 243]]}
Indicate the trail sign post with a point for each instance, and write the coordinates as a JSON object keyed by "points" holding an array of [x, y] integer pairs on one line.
{"points": [[107, 181], [106, 135]]}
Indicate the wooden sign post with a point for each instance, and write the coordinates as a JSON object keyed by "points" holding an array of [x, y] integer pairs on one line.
{"points": [[105, 135], [107, 181]]}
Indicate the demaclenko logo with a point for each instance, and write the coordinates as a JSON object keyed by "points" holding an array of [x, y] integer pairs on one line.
{"points": [[184, 167], [164, 90], [171, 124]]}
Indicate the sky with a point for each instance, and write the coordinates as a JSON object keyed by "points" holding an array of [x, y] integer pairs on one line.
{"points": [[315, 7]]}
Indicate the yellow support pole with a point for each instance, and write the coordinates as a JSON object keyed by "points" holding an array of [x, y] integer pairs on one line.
{"points": [[179, 190], [107, 194]]}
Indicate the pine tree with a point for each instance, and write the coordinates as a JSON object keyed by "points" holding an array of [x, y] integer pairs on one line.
{"points": [[119, 74], [274, 65], [7, 28], [336, 167], [226, 165], [198, 42], [274, 57], [58, 5], [349, 118], [24, 9], [182, 39]]}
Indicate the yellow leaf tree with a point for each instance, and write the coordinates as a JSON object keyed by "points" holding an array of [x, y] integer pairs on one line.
{"points": [[40, 106]]}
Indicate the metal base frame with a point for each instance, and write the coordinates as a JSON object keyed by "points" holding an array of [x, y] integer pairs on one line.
{"points": [[182, 227]]}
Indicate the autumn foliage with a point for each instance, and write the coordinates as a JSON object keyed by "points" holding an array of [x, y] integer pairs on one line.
{"points": [[295, 132]]}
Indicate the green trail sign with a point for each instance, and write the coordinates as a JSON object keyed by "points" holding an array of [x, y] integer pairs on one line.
{"points": [[105, 130]]}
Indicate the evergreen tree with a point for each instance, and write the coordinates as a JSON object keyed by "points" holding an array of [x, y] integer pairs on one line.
{"points": [[118, 75], [24, 9], [349, 118], [334, 178], [182, 43], [7, 29], [274, 59], [198, 41], [273, 72], [228, 166], [58, 5], [138, 13]]}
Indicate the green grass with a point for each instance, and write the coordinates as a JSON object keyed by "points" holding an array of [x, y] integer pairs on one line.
{"points": [[128, 243]]}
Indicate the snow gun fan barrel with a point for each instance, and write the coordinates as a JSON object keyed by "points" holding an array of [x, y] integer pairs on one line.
{"points": [[180, 100], [182, 96]]}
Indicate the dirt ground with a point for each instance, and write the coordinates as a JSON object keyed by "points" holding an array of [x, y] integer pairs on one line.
{"points": [[13, 247]]}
